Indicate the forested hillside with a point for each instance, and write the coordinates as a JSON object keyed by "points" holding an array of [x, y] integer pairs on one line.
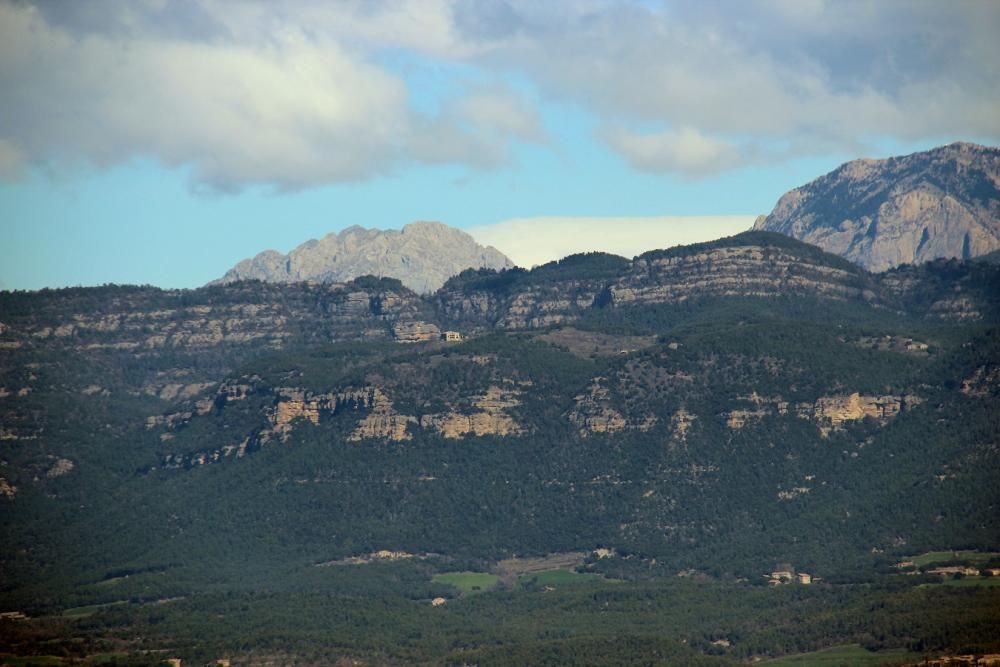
{"points": [[719, 412]]}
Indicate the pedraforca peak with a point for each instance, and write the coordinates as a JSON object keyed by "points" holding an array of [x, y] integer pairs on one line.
{"points": [[939, 203], [423, 255]]}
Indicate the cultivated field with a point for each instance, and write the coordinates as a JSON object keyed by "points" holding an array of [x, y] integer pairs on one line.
{"points": [[847, 655], [468, 582]]}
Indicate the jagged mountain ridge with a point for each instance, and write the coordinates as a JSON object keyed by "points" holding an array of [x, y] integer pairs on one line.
{"points": [[422, 255], [879, 214]]}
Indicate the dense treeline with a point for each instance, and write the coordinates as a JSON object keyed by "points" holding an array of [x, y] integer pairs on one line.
{"points": [[319, 617]]}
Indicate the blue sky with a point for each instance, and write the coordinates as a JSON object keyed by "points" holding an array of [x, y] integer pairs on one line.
{"points": [[160, 142]]}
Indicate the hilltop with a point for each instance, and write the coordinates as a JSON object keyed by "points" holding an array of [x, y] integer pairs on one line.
{"points": [[940, 203], [422, 256]]}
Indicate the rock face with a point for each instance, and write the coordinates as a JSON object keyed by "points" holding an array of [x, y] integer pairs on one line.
{"points": [[147, 321], [555, 293], [284, 409], [903, 210], [415, 332], [423, 255], [593, 412], [828, 412], [751, 269], [528, 308], [490, 418]]}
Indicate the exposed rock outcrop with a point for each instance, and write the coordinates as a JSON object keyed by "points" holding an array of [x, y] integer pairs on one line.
{"points": [[881, 213], [423, 255], [738, 270], [551, 294], [293, 404], [593, 412], [242, 315], [983, 382], [415, 332], [59, 468], [828, 412], [534, 306], [681, 423], [382, 421], [491, 418], [836, 410]]}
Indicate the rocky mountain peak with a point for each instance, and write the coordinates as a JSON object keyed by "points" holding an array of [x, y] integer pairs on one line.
{"points": [[943, 202], [423, 255]]}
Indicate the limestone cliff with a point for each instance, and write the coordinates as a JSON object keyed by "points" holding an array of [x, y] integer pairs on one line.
{"points": [[491, 416], [743, 266], [593, 412], [423, 255], [828, 412], [554, 293], [881, 213]]}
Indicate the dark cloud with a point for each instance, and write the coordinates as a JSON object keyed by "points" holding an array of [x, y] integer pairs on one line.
{"points": [[697, 86], [487, 19], [293, 93], [180, 19]]}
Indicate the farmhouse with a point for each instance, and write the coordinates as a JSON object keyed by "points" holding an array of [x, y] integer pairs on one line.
{"points": [[452, 336], [788, 576], [780, 577]]}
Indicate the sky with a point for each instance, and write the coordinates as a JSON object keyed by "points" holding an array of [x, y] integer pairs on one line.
{"points": [[161, 141]]}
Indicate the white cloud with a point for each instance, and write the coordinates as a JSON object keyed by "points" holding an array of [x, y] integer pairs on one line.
{"points": [[476, 129], [808, 77], [686, 150], [532, 241], [293, 109], [297, 93], [504, 112], [292, 113]]}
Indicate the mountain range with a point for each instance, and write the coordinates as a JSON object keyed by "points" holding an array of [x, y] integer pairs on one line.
{"points": [[878, 214], [422, 255], [601, 460], [943, 202]]}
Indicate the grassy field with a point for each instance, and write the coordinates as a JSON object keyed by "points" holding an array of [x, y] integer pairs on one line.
{"points": [[468, 582], [849, 655], [966, 582], [972, 557], [556, 578]]}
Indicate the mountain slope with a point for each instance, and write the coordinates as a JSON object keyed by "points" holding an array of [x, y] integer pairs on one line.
{"points": [[902, 210], [180, 460], [422, 255]]}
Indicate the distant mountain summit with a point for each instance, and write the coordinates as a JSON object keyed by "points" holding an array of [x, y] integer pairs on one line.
{"points": [[943, 202], [423, 255]]}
